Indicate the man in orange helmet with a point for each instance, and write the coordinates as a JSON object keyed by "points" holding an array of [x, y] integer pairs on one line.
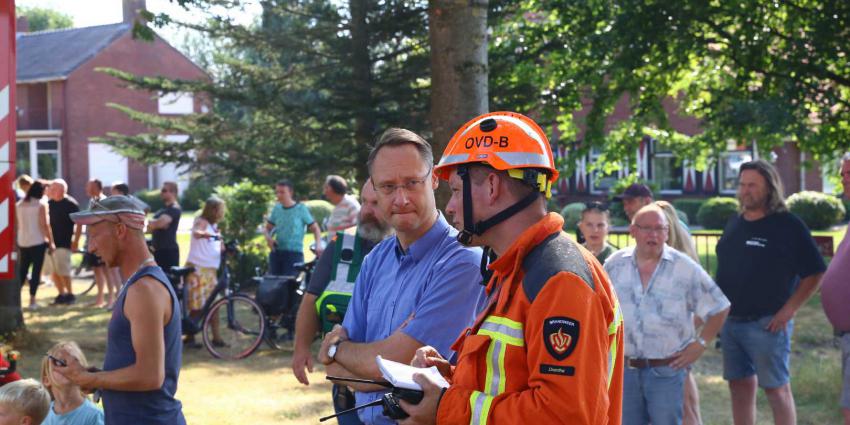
{"points": [[547, 349]]}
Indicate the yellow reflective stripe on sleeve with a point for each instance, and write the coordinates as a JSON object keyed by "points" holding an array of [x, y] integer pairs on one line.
{"points": [[612, 360], [612, 331], [479, 405], [618, 319], [502, 332], [503, 329]]}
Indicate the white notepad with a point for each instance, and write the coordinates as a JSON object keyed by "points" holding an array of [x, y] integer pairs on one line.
{"points": [[401, 375]]}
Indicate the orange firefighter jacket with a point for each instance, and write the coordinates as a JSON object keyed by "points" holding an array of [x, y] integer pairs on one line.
{"points": [[548, 349]]}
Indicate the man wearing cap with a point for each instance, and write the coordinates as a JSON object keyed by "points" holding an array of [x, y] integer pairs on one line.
{"points": [[143, 348], [547, 348], [634, 198]]}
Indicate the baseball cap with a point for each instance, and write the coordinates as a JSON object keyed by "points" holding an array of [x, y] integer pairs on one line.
{"points": [[117, 209], [636, 190]]}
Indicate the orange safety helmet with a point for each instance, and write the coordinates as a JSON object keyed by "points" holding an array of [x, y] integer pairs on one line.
{"points": [[506, 141]]}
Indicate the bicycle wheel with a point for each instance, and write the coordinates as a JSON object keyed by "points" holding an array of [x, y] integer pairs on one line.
{"points": [[241, 324]]}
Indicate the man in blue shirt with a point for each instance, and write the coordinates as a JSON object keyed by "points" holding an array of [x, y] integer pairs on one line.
{"points": [[285, 230], [419, 288]]}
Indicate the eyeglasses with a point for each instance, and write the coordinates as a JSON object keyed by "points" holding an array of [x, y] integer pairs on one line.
{"points": [[410, 186], [647, 230]]}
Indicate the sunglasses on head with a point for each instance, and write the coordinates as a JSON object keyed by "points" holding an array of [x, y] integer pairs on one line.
{"points": [[57, 361]]}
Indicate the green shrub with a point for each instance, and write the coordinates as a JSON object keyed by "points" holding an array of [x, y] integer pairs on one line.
{"points": [[196, 194], [818, 210], [846, 203], [320, 210], [617, 215], [151, 197], [572, 215], [715, 212], [246, 204], [689, 206]]}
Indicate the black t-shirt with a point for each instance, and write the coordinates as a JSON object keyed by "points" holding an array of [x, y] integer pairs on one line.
{"points": [[60, 220], [167, 238], [322, 273], [759, 263]]}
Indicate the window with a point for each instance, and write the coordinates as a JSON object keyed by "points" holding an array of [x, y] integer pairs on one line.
{"points": [[730, 165], [39, 158], [666, 173], [176, 104]]}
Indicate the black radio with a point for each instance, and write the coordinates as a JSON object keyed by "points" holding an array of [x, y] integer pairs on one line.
{"points": [[389, 401]]}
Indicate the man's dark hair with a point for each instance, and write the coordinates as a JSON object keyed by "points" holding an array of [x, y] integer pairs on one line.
{"points": [[97, 183], [121, 188], [596, 207], [337, 184], [286, 183], [399, 137]]}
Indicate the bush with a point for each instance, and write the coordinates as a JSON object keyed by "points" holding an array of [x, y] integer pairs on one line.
{"points": [[818, 210], [572, 215], [196, 194], [151, 197], [715, 212], [246, 204], [683, 217], [320, 210], [689, 206], [617, 214]]}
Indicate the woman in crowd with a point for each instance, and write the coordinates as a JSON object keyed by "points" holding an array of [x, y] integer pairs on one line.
{"points": [[34, 236], [680, 239], [205, 249]]}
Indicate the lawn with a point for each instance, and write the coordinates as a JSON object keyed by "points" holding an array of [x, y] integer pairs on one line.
{"points": [[262, 389]]}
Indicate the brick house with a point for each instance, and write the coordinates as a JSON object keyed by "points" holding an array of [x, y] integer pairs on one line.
{"points": [[62, 101], [654, 163]]}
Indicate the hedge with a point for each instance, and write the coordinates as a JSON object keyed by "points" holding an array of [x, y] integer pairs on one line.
{"points": [[818, 210], [572, 215], [689, 206], [715, 212]]}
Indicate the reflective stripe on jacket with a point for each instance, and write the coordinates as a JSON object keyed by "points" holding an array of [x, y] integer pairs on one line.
{"points": [[549, 347]]}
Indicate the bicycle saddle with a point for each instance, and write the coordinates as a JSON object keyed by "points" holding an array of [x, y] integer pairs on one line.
{"points": [[181, 271]]}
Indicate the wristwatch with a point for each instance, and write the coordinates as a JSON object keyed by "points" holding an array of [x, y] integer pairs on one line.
{"points": [[333, 349], [699, 340]]}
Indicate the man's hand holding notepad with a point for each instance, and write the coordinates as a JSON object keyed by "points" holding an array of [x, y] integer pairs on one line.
{"points": [[401, 375]]}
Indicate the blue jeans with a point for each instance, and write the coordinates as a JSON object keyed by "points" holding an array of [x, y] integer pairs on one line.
{"points": [[280, 262], [653, 395], [750, 349], [344, 399]]}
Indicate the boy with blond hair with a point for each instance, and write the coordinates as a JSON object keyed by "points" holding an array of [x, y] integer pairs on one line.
{"points": [[23, 402]]}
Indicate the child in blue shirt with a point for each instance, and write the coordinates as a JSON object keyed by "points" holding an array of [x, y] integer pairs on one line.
{"points": [[70, 405]]}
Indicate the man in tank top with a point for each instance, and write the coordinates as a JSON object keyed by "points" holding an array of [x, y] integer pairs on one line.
{"points": [[143, 348]]}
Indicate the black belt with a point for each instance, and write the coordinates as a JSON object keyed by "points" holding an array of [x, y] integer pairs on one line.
{"points": [[751, 318]]}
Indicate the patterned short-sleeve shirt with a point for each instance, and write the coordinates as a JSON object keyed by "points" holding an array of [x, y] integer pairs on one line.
{"points": [[659, 320]]}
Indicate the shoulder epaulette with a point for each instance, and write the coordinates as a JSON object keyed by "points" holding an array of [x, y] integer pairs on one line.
{"points": [[557, 253]]}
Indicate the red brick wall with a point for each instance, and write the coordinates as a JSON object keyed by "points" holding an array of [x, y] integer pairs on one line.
{"points": [[88, 92]]}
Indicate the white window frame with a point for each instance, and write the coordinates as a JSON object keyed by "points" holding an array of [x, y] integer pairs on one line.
{"points": [[180, 103], [721, 166], [34, 151]]}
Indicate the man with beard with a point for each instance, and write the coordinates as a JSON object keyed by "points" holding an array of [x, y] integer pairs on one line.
{"points": [[143, 349], [768, 266], [330, 288]]}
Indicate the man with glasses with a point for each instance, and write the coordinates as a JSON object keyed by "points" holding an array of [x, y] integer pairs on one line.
{"points": [[660, 291], [418, 288], [163, 228]]}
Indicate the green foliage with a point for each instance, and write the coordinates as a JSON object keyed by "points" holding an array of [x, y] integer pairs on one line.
{"points": [[41, 19], [744, 69], [152, 198], [572, 215], [818, 210], [194, 197], [715, 212], [320, 210], [683, 217], [689, 206], [246, 204], [252, 261], [300, 94]]}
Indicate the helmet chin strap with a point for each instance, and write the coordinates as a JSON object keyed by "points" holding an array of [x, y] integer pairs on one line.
{"points": [[471, 229]]}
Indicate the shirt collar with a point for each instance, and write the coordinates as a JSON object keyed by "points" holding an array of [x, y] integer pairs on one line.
{"points": [[666, 253], [423, 245]]}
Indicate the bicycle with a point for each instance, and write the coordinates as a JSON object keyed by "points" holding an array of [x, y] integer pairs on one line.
{"points": [[242, 318], [280, 297], [84, 270]]}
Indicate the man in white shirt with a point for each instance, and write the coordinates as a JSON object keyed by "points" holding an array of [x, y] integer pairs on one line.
{"points": [[346, 206], [660, 290]]}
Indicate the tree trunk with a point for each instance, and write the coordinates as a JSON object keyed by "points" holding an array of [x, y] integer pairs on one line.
{"points": [[361, 64], [458, 37], [11, 317]]}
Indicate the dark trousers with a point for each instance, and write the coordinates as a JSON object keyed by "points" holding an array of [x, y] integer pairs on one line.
{"points": [[32, 256], [167, 258], [281, 262]]}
